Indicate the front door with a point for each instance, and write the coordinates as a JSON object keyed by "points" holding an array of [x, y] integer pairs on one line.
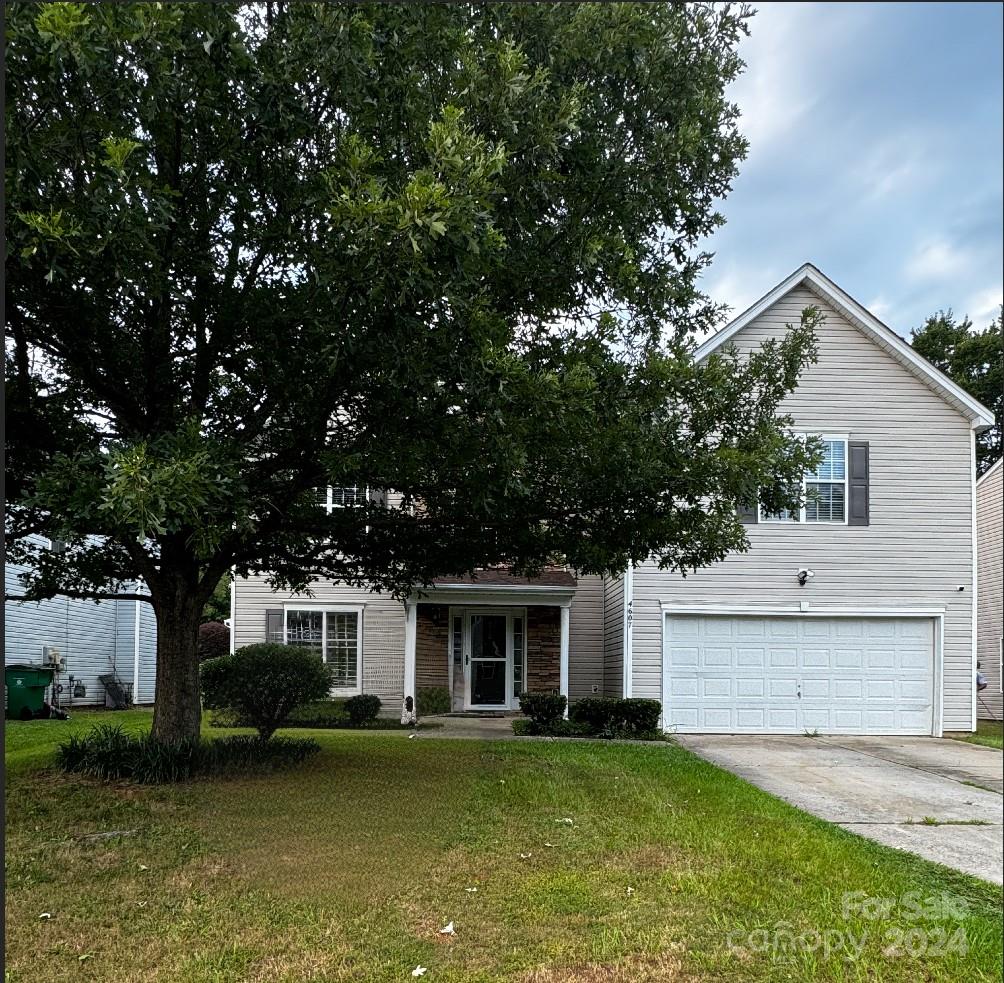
{"points": [[487, 660]]}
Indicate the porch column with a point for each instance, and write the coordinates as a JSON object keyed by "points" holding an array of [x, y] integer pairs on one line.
{"points": [[563, 659], [408, 708]]}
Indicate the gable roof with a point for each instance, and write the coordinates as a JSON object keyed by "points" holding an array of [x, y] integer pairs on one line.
{"points": [[992, 470], [824, 288]]}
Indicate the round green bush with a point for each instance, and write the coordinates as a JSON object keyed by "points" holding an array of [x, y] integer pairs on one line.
{"points": [[362, 709], [264, 683]]}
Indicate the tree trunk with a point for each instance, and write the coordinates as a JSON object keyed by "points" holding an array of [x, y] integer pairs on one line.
{"points": [[177, 712]]}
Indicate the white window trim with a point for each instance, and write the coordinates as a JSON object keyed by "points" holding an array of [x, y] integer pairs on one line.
{"points": [[326, 609], [328, 504], [763, 519]]}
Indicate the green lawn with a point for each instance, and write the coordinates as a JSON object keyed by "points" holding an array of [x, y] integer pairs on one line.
{"points": [[347, 868], [990, 733]]}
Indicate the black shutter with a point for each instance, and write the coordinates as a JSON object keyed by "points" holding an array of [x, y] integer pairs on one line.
{"points": [[748, 514], [275, 630], [857, 483]]}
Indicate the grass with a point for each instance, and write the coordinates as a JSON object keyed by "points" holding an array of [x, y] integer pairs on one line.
{"points": [[989, 733], [347, 868]]}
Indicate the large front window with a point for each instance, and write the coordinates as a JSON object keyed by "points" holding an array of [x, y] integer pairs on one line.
{"points": [[824, 490], [335, 637]]}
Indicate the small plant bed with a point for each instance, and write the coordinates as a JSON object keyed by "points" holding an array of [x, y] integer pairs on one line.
{"points": [[593, 717], [107, 752], [322, 715]]}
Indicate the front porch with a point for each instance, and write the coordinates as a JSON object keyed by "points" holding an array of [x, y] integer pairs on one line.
{"points": [[485, 646]]}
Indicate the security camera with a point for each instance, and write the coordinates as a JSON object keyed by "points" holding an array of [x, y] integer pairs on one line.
{"points": [[804, 574], [961, 588]]}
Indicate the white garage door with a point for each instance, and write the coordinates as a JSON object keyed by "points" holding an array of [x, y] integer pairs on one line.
{"points": [[789, 675]]}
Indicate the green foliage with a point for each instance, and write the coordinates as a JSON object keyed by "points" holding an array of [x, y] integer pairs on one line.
{"points": [[319, 715], [473, 233], [264, 683], [974, 360], [556, 728], [214, 640], [609, 717], [362, 709], [108, 753], [218, 606], [433, 700], [543, 709]]}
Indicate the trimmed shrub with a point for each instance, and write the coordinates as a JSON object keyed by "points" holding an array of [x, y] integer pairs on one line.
{"points": [[543, 709], [319, 713], [264, 683], [107, 753], [557, 728], [636, 718], [362, 709], [607, 717], [432, 700], [593, 712], [214, 640]]}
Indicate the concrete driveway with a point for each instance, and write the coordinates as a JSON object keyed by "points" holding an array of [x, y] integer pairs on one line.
{"points": [[883, 788]]}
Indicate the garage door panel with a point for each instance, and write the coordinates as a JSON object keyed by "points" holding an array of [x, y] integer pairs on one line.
{"points": [[783, 658], [684, 686], [880, 658], [715, 686], [835, 675], [680, 656], [715, 656], [749, 657], [815, 689], [753, 688], [718, 718], [848, 658]]}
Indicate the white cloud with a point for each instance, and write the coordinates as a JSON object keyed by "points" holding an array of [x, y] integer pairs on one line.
{"points": [[740, 286], [984, 305], [896, 165], [787, 45], [936, 259]]}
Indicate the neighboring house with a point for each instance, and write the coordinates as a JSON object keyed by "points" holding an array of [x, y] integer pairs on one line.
{"points": [[879, 640], [990, 603], [93, 638]]}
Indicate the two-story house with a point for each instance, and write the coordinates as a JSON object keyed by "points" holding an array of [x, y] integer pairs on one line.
{"points": [[854, 616]]}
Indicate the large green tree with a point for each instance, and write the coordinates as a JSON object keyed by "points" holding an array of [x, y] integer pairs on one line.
{"points": [[445, 252], [973, 359]]}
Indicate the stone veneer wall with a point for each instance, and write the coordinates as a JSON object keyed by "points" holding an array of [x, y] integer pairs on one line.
{"points": [[431, 642], [543, 649]]}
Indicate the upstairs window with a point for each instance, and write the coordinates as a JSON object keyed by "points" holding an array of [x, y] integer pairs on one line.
{"points": [[824, 490], [339, 498]]}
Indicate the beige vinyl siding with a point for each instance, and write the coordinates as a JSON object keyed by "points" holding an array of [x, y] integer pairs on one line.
{"points": [[585, 638], [990, 580], [918, 548], [613, 636], [383, 628]]}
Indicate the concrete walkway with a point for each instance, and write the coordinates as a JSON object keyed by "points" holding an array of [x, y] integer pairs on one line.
{"points": [[883, 788], [470, 727]]}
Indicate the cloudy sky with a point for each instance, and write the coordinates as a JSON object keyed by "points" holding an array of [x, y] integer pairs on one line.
{"points": [[876, 137]]}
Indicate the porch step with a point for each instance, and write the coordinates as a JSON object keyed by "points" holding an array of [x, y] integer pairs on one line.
{"points": [[481, 714]]}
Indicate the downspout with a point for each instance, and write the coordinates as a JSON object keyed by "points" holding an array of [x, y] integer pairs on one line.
{"points": [[233, 610], [975, 552], [628, 660], [135, 654]]}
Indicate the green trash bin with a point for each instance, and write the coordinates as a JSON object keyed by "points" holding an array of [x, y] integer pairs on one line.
{"points": [[24, 690]]}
